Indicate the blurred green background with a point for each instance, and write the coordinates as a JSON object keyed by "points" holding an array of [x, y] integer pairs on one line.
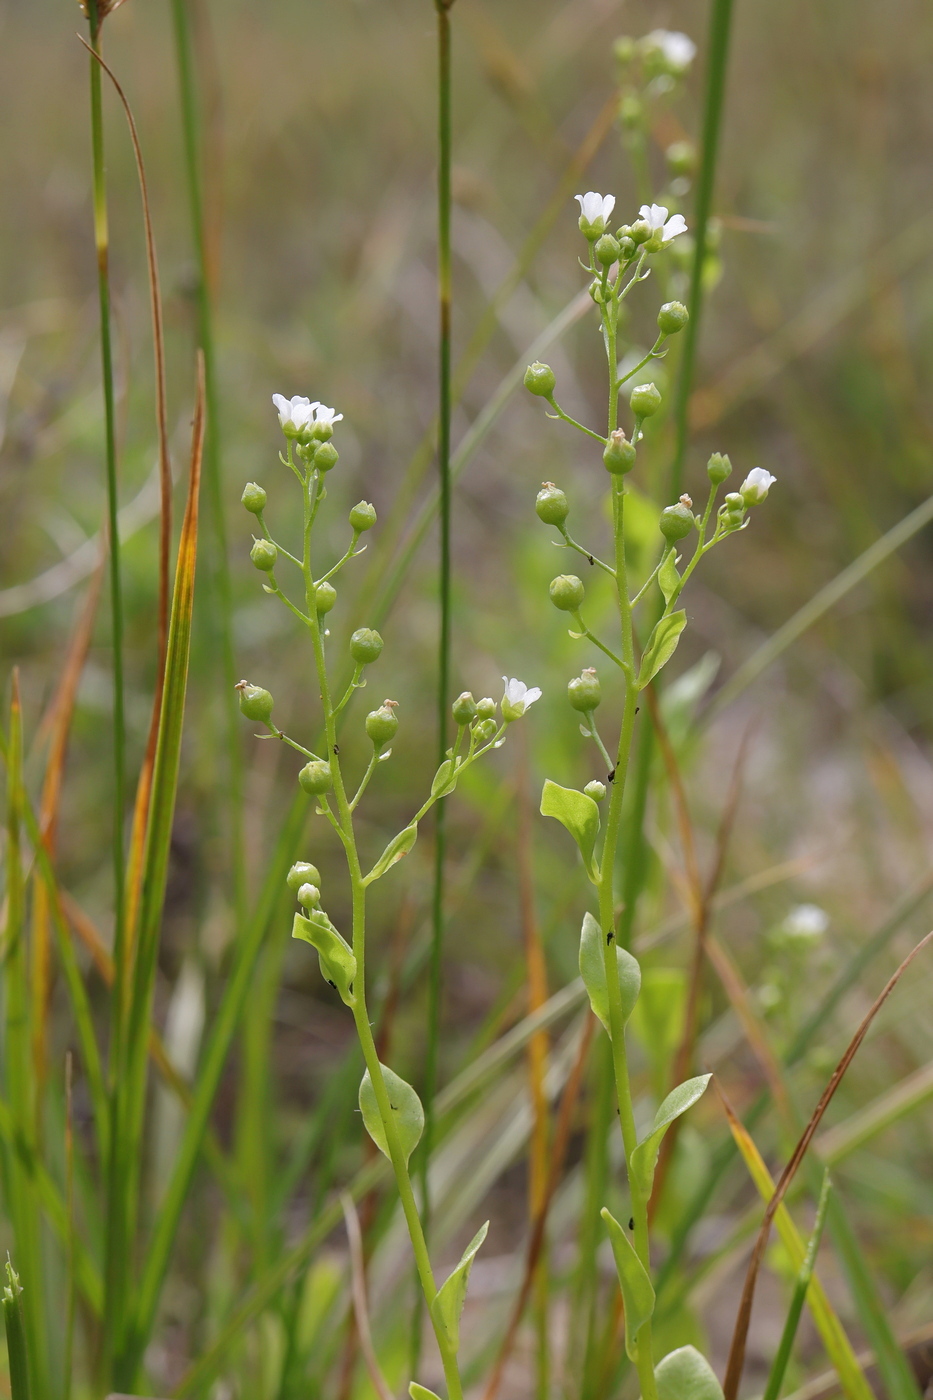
{"points": [[815, 363]]}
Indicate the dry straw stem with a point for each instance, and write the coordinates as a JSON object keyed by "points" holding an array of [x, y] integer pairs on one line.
{"points": [[737, 1351], [360, 1306]]}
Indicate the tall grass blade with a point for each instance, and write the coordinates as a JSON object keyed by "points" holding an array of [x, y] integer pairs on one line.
{"points": [[795, 1311], [15, 1335]]}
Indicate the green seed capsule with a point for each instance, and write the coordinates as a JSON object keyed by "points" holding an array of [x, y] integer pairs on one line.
{"points": [[325, 596], [486, 708], [596, 790], [464, 709], [316, 777], [253, 498], [584, 692], [365, 645], [382, 724], [645, 400], [676, 522], [302, 873], [718, 468], [264, 555], [326, 456], [619, 454], [567, 592], [540, 379], [362, 517], [551, 504], [255, 703], [672, 317]]}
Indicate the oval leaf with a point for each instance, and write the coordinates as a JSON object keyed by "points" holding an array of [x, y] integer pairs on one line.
{"points": [[338, 963], [448, 1305], [593, 972], [685, 1374], [577, 812], [661, 646], [399, 846], [645, 1156], [668, 577], [421, 1392], [408, 1115], [637, 1293], [445, 779]]}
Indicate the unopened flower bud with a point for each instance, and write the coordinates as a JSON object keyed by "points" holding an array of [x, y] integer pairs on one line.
{"points": [[362, 517], [672, 317], [365, 645], [734, 501], [680, 158], [325, 596], [464, 709], [253, 498], [567, 592], [631, 111], [756, 486], [596, 790], [599, 294], [645, 400], [627, 247], [551, 504], [606, 249], [540, 380], [718, 468], [255, 703], [316, 777], [309, 896], [484, 730], [264, 555], [640, 231], [382, 724], [676, 522], [584, 692], [486, 708], [326, 455], [619, 454], [302, 873]]}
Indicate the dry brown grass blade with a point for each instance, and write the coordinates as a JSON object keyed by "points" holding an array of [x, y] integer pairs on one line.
{"points": [[736, 1362], [144, 785], [539, 1044], [536, 1240], [360, 1307]]}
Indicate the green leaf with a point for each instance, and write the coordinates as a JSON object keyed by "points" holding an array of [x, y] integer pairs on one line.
{"points": [[445, 779], [577, 812], [668, 577], [448, 1305], [338, 964], [685, 1374], [421, 1392], [661, 646], [593, 972], [405, 1105], [645, 1156], [637, 1293], [399, 846]]}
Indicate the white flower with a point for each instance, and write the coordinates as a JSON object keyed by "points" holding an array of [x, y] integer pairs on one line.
{"points": [[296, 414], [594, 211], [517, 698], [655, 216], [325, 416], [806, 923], [678, 49], [756, 486]]}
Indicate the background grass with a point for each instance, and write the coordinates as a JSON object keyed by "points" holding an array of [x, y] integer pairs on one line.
{"points": [[318, 128]]}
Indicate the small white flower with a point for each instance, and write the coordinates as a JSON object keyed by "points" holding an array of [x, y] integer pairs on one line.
{"points": [[296, 414], [517, 698], [756, 486], [678, 49], [594, 211], [325, 416], [655, 216], [806, 923]]}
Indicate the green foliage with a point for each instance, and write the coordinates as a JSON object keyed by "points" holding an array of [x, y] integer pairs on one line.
{"points": [[593, 972], [405, 1107], [661, 647], [577, 812], [637, 1292], [686, 1375], [338, 965], [451, 1296], [644, 1158]]}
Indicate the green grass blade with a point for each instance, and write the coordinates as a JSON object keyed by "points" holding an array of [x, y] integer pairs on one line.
{"points": [[795, 1311], [15, 1335]]}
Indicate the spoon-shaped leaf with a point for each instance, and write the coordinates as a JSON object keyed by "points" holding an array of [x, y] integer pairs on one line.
{"points": [[637, 1292], [593, 972], [645, 1156], [685, 1374], [405, 1106]]}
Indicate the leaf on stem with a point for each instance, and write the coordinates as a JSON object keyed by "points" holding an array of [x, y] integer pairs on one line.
{"points": [[421, 1392], [448, 1305], [668, 577], [577, 812], [405, 1105], [685, 1374], [637, 1292], [399, 846], [645, 1156], [338, 964], [661, 646], [445, 779], [593, 972]]}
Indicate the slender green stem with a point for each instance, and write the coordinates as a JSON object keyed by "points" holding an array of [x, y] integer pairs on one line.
{"points": [[794, 1312], [15, 1337], [718, 53], [600, 564], [566, 418]]}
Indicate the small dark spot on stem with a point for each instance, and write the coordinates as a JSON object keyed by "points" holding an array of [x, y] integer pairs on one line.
{"points": [[631, 1223], [609, 937], [611, 777], [591, 559], [337, 746], [332, 984], [637, 708]]}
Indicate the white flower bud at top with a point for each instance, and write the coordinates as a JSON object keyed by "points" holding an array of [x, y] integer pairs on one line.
{"points": [[594, 213], [309, 896], [755, 487], [517, 699]]}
